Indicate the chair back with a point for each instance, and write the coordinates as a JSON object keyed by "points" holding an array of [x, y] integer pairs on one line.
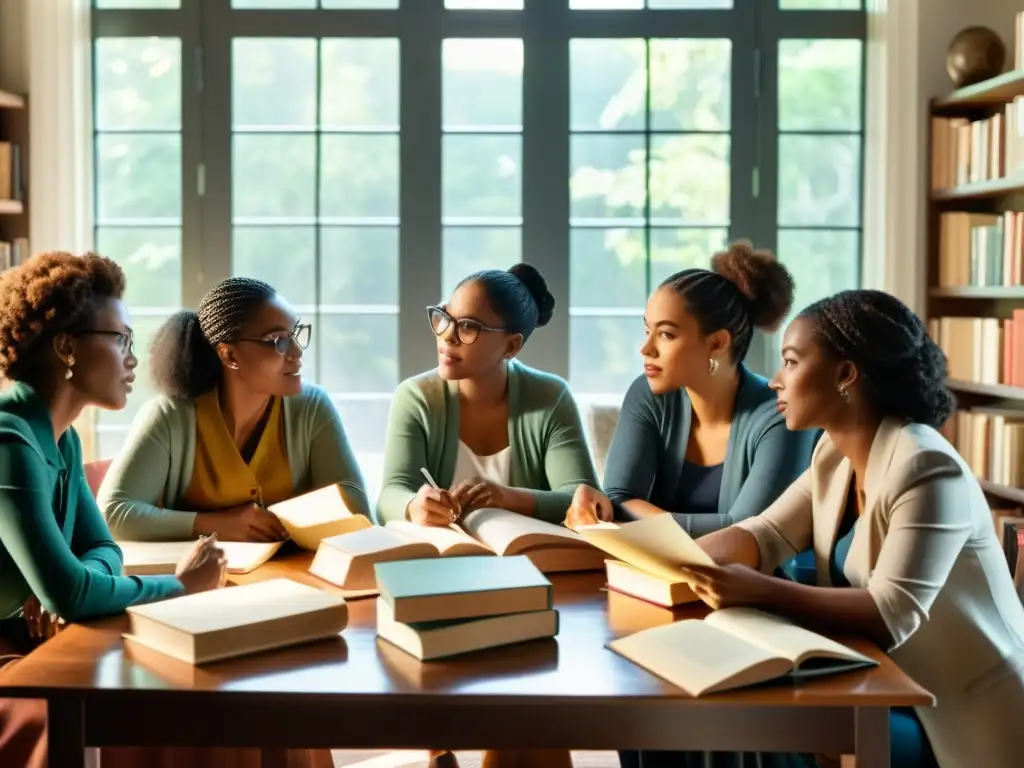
{"points": [[95, 471]]}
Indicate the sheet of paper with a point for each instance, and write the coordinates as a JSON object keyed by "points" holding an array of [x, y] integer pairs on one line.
{"points": [[656, 544]]}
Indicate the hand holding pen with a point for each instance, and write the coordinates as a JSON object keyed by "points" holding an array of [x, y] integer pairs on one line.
{"points": [[432, 505]]}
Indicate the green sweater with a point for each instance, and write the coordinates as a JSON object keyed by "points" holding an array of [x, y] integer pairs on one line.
{"points": [[145, 483], [53, 541], [549, 453]]}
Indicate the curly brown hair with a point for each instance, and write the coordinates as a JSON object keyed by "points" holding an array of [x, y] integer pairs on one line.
{"points": [[50, 293]]}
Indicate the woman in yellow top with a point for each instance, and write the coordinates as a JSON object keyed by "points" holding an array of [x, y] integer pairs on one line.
{"points": [[234, 430]]}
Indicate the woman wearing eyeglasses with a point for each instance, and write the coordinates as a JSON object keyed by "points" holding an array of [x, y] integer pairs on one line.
{"points": [[491, 431], [65, 344], [234, 429]]}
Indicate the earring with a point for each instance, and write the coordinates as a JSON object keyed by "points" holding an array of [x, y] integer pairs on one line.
{"points": [[233, 366], [71, 362], [844, 393], [712, 365]]}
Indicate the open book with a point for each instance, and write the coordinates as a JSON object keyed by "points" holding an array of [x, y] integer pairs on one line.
{"points": [[160, 558], [314, 516], [649, 554], [348, 560], [733, 648]]}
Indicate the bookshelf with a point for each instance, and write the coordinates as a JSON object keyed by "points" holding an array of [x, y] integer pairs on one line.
{"points": [[975, 274], [14, 246]]}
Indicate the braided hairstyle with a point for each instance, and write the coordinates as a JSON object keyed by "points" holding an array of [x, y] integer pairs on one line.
{"points": [[744, 289], [519, 295], [183, 360], [902, 371]]}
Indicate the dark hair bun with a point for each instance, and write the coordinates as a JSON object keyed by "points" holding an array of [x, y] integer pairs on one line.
{"points": [[761, 278], [538, 288]]}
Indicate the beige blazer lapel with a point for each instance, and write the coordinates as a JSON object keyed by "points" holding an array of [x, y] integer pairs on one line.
{"points": [[883, 448], [832, 474]]}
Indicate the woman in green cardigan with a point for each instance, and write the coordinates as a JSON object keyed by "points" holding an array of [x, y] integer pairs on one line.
{"points": [[65, 343], [234, 428], [491, 431]]}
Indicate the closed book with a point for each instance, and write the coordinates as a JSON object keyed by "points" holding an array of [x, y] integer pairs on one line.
{"points": [[462, 587], [236, 621], [440, 639]]}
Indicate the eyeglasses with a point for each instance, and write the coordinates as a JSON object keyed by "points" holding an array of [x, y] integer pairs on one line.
{"points": [[281, 344], [125, 341], [466, 330]]}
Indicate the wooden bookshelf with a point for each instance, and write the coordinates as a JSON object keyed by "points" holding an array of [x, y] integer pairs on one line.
{"points": [[14, 136], [975, 275]]}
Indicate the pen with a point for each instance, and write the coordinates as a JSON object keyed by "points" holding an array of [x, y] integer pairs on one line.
{"points": [[436, 487], [430, 479]]}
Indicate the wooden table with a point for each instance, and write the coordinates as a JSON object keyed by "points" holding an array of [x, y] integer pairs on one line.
{"points": [[359, 692]]}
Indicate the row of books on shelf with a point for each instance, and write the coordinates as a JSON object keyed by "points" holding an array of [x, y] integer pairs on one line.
{"points": [[981, 249], [13, 253], [971, 151], [991, 442], [12, 182], [986, 350]]}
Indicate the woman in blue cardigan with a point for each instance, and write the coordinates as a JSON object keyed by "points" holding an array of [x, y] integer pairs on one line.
{"points": [[699, 436]]}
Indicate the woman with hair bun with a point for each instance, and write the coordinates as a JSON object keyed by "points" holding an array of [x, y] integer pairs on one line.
{"points": [[699, 436], [902, 534], [490, 430], [234, 428]]}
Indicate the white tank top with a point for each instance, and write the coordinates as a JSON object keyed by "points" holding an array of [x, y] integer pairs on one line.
{"points": [[496, 467]]}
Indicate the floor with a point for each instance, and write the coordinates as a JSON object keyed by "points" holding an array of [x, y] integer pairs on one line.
{"points": [[466, 759]]}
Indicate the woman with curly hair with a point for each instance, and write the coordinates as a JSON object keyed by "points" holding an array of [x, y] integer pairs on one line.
{"points": [[905, 547], [65, 344], [234, 429]]}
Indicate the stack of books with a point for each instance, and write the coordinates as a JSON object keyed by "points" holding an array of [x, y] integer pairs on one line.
{"points": [[440, 607]]}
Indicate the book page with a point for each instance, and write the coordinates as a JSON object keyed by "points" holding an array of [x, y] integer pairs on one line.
{"points": [[508, 533], [157, 558], [449, 540], [656, 544], [781, 637], [698, 657], [314, 516]]}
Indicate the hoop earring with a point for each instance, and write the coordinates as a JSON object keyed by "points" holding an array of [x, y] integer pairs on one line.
{"points": [[69, 373], [712, 366], [844, 393]]}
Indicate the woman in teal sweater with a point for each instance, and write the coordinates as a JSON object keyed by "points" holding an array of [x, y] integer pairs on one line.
{"points": [[65, 343], [491, 431]]}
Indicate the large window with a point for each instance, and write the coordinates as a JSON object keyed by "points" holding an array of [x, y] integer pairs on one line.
{"points": [[364, 155]]}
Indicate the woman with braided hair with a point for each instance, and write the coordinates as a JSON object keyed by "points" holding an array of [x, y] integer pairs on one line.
{"points": [[906, 552], [234, 429]]}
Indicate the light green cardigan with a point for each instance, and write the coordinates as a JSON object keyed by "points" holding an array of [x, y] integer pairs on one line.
{"points": [[549, 453], [146, 481]]}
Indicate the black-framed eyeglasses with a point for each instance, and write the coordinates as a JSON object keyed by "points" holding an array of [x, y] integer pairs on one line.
{"points": [[282, 342], [125, 340], [466, 330]]}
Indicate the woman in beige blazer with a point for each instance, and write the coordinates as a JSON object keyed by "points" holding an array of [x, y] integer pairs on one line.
{"points": [[903, 537]]}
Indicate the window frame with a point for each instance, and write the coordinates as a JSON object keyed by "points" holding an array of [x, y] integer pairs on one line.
{"points": [[207, 27]]}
